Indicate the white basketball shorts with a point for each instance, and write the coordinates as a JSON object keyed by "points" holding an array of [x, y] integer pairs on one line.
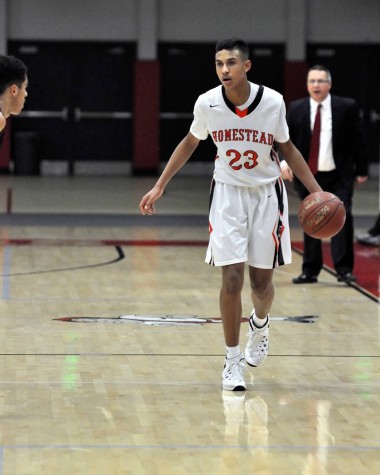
{"points": [[249, 225]]}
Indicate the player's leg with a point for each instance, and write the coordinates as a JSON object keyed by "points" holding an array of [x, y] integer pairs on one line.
{"points": [[228, 250], [269, 247], [230, 302], [262, 294], [231, 312], [262, 290]]}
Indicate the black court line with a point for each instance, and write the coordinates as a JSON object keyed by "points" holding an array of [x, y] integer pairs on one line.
{"points": [[120, 257]]}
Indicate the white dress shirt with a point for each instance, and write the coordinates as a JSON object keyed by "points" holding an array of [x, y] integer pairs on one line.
{"points": [[325, 157]]}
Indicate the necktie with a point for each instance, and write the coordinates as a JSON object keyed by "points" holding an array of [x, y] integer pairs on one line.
{"points": [[314, 144]]}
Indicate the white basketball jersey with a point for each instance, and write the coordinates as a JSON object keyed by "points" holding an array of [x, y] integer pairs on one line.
{"points": [[245, 139]]}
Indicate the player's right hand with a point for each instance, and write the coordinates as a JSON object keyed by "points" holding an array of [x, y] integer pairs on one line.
{"points": [[148, 200], [146, 207]]}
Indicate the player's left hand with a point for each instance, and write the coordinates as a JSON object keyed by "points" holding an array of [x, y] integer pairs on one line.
{"points": [[286, 171]]}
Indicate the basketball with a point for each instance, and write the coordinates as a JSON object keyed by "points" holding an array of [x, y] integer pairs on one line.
{"points": [[321, 215]]}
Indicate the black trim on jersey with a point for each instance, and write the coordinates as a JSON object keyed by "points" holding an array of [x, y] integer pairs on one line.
{"points": [[278, 255], [280, 196], [274, 153], [251, 107], [212, 188]]}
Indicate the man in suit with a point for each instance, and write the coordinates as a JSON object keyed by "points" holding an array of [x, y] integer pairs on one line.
{"points": [[341, 162]]}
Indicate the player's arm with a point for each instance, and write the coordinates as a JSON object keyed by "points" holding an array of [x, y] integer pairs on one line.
{"points": [[298, 165], [179, 157]]}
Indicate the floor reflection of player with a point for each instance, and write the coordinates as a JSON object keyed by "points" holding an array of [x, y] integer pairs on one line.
{"points": [[316, 460], [246, 426]]}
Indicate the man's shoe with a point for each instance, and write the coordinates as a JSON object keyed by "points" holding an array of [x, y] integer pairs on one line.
{"points": [[368, 239], [305, 279], [347, 278], [233, 374], [258, 343]]}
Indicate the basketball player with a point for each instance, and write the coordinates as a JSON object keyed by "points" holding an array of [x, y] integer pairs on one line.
{"points": [[248, 219], [13, 85]]}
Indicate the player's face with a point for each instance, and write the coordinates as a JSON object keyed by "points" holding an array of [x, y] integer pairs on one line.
{"points": [[318, 85], [231, 68], [19, 94]]}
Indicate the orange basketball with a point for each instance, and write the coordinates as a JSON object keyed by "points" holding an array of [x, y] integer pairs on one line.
{"points": [[321, 215]]}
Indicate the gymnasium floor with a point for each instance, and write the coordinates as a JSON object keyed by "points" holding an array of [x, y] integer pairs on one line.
{"points": [[112, 347]]}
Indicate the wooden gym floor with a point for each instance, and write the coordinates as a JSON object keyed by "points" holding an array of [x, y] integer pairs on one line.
{"points": [[141, 394]]}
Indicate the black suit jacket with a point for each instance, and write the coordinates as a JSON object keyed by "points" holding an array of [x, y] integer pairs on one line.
{"points": [[349, 145]]}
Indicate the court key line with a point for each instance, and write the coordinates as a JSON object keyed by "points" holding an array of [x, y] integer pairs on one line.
{"points": [[7, 273], [134, 242]]}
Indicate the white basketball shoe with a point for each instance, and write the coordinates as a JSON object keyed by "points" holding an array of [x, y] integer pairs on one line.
{"points": [[258, 343], [233, 374]]}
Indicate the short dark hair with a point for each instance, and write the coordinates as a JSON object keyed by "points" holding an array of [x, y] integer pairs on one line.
{"points": [[233, 43], [12, 71], [320, 67]]}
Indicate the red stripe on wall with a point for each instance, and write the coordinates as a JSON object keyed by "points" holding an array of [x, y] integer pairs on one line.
{"points": [[295, 73], [146, 157], [5, 149]]}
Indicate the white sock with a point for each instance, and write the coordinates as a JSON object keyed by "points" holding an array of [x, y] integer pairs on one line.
{"points": [[233, 351], [259, 322]]}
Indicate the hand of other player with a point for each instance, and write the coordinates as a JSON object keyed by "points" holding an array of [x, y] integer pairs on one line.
{"points": [[2, 121], [360, 180]]}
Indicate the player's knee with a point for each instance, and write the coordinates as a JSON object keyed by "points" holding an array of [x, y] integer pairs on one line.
{"points": [[233, 282], [262, 288]]}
